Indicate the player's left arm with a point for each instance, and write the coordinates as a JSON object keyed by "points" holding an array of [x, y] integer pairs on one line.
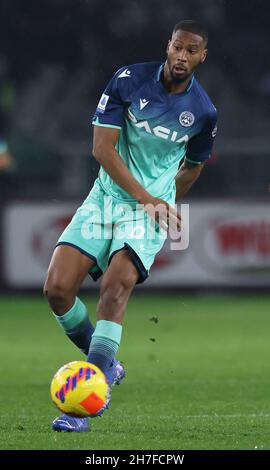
{"points": [[198, 151], [186, 176]]}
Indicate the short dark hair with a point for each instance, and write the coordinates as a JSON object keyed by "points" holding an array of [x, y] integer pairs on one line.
{"points": [[192, 26]]}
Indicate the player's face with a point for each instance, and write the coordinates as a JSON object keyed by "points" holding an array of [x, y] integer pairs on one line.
{"points": [[185, 52]]}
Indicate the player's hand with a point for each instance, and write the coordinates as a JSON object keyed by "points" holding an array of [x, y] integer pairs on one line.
{"points": [[165, 215]]}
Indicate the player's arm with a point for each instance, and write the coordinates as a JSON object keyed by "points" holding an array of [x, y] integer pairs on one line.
{"points": [[108, 120], [104, 141], [186, 176], [198, 151]]}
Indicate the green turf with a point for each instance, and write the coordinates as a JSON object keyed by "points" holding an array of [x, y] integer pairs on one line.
{"points": [[202, 384]]}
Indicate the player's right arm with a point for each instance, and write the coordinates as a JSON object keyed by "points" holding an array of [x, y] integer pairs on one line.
{"points": [[104, 141]]}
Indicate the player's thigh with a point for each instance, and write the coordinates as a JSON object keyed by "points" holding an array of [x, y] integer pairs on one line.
{"points": [[121, 273], [67, 269]]}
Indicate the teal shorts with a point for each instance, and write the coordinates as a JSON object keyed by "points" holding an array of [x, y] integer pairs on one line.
{"points": [[103, 225]]}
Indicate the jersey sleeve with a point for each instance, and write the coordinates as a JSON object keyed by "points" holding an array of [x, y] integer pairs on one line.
{"points": [[199, 147], [110, 109]]}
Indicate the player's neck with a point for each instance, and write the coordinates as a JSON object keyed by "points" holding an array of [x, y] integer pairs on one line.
{"points": [[174, 87]]}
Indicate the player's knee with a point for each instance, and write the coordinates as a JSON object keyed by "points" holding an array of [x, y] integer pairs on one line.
{"points": [[57, 295], [128, 282], [115, 291]]}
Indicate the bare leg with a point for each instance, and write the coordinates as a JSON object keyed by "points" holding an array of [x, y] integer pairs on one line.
{"points": [[116, 287], [67, 270]]}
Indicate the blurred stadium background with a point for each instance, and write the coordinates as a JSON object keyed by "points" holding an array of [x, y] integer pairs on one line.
{"points": [[56, 56]]}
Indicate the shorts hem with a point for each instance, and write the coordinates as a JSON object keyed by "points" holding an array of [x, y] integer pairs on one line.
{"points": [[143, 273], [94, 275]]}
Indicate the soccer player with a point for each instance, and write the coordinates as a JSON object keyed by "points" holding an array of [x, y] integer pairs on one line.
{"points": [[154, 128]]}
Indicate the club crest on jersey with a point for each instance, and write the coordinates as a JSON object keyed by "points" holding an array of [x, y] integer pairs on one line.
{"points": [[102, 103], [186, 119]]}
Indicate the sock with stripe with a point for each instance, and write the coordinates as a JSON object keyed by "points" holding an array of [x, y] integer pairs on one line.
{"points": [[104, 344], [77, 326]]}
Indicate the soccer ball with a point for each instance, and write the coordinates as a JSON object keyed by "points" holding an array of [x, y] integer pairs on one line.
{"points": [[79, 389]]}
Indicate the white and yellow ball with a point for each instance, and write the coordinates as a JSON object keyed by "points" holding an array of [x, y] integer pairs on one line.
{"points": [[79, 388]]}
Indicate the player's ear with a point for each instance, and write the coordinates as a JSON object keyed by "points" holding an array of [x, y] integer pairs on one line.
{"points": [[168, 46], [204, 54]]}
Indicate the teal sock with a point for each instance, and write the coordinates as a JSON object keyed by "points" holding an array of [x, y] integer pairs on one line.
{"points": [[104, 344], [77, 326]]}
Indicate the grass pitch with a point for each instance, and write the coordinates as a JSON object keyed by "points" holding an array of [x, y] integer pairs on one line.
{"points": [[197, 376]]}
